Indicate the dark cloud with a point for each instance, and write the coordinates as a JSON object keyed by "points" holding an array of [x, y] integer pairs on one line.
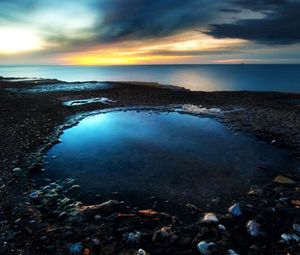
{"points": [[280, 25], [142, 19], [126, 20]]}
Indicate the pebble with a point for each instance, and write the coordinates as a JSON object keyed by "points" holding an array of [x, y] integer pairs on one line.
{"points": [[18, 171], [74, 187], [34, 195], [253, 228], [44, 238], [235, 209], [221, 227], [231, 252], [141, 252], [290, 237], [96, 242], [75, 248], [133, 237], [97, 217], [295, 202], [210, 218], [104, 207], [203, 247], [164, 235], [283, 180], [296, 227]]}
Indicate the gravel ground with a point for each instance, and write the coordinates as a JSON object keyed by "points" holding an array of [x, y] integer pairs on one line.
{"points": [[32, 122]]}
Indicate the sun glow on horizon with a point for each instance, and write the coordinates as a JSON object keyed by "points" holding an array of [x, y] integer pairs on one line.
{"points": [[16, 40], [165, 50]]}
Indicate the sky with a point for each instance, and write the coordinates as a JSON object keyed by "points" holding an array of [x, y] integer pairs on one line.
{"points": [[124, 32]]}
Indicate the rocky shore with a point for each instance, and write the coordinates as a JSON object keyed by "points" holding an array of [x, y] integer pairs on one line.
{"points": [[50, 220]]}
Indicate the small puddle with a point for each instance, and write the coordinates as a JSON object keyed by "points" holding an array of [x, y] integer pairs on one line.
{"points": [[175, 157], [103, 100]]}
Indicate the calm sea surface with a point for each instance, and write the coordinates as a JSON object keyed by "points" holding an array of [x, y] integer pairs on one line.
{"points": [[285, 78]]}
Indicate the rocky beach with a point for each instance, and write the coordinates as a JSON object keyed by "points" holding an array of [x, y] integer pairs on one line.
{"points": [[49, 219]]}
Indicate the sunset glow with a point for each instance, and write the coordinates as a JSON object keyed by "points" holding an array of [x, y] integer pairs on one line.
{"points": [[14, 40], [128, 32]]}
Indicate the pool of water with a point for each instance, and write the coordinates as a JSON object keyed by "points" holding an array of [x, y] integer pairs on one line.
{"points": [[176, 157]]}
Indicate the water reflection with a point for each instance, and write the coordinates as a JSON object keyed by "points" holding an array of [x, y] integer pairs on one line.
{"points": [[176, 157]]}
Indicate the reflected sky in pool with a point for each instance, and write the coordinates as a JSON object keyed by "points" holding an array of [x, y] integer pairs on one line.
{"points": [[176, 157]]}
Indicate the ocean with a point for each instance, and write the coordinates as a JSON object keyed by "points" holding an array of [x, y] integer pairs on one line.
{"points": [[259, 77]]}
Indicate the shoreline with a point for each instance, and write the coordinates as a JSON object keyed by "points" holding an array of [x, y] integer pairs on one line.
{"points": [[31, 121]]}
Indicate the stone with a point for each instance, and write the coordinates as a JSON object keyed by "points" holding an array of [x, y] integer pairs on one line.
{"points": [[34, 195], [296, 227], [104, 207], [203, 247], [253, 228], [96, 242], [18, 171], [132, 237], [97, 217], [141, 252], [283, 180], [210, 218], [235, 210], [295, 202], [231, 252], [290, 237], [74, 187], [86, 251], [164, 235], [148, 212], [221, 227], [75, 248]]}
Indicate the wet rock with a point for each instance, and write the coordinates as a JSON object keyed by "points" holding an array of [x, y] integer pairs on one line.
{"points": [[203, 247], [75, 248], [97, 217], [290, 237], [87, 251], [96, 242], [36, 167], [231, 252], [18, 172], [44, 238], [106, 207], [74, 188], [34, 195], [235, 210], [62, 216], [164, 236], [148, 212], [193, 207], [295, 202], [141, 252], [132, 237], [283, 180], [210, 218], [296, 227], [253, 228], [221, 227]]}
